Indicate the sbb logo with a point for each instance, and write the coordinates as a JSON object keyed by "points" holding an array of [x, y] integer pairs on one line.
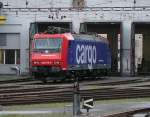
{"points": [[86, 54]]}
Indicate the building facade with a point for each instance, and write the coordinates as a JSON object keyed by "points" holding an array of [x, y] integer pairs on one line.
{"points": [[20, 14]]}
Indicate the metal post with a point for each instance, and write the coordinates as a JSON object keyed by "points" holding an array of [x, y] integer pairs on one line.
{"points": [[76, 96]]}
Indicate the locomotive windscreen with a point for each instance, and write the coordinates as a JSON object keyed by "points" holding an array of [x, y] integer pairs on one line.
{"points": [[51, 44]]}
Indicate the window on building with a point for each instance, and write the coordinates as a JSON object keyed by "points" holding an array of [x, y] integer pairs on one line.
{"points": [[2, 39], [10, 56]]}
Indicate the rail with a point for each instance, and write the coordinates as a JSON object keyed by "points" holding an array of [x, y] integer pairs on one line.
{"points": [[130, 113]]}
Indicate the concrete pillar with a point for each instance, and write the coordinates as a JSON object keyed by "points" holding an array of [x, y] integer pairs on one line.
{"points": [[76, 20], [126, 49], [76, 26], [24, 48]]}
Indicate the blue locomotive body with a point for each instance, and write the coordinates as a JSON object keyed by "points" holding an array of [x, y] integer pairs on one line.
{"points": [[88, 54]]}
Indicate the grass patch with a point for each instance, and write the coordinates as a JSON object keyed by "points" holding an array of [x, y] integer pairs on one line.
{"points": [[62, 105], [36, 106], [95, 87], [13, 77]]}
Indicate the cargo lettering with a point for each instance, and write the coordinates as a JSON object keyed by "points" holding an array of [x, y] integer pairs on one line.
{"points": [[86, 54]]}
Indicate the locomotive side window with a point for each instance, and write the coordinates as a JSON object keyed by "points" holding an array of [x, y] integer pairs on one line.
{"points": [[51, 45]]}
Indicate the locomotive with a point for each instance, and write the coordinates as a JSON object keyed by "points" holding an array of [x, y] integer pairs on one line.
{"points": [[60, 55]]}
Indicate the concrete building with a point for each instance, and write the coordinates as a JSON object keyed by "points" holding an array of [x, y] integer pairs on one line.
{"points": [[124, 17]]}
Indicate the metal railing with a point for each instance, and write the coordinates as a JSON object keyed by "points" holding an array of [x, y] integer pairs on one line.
{"points": [[68, 9]]}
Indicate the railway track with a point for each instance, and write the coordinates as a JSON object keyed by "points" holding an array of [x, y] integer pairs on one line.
{"points": [[25, 93], [16, 80], [48, 96]]}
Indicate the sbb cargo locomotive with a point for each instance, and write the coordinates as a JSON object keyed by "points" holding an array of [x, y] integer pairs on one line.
{"points": [[60, 55]]}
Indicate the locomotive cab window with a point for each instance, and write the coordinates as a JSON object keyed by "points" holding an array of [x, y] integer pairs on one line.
{"points": [[51, 45]]}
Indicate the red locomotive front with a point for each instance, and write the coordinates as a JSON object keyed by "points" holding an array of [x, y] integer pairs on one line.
{"points": [[48, 54]]}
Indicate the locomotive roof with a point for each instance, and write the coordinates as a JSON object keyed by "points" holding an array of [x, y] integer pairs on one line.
{"points": [[90, 37]]}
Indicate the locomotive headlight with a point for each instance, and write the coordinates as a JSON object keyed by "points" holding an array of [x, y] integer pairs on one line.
{"points": [[36, 62], [46, 51]]}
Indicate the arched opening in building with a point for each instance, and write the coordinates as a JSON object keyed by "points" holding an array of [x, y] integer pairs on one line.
{"points": [[111, 31], [141, 47]]}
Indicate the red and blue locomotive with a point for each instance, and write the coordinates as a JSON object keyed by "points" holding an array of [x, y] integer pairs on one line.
{"points": [[58, 55]]}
